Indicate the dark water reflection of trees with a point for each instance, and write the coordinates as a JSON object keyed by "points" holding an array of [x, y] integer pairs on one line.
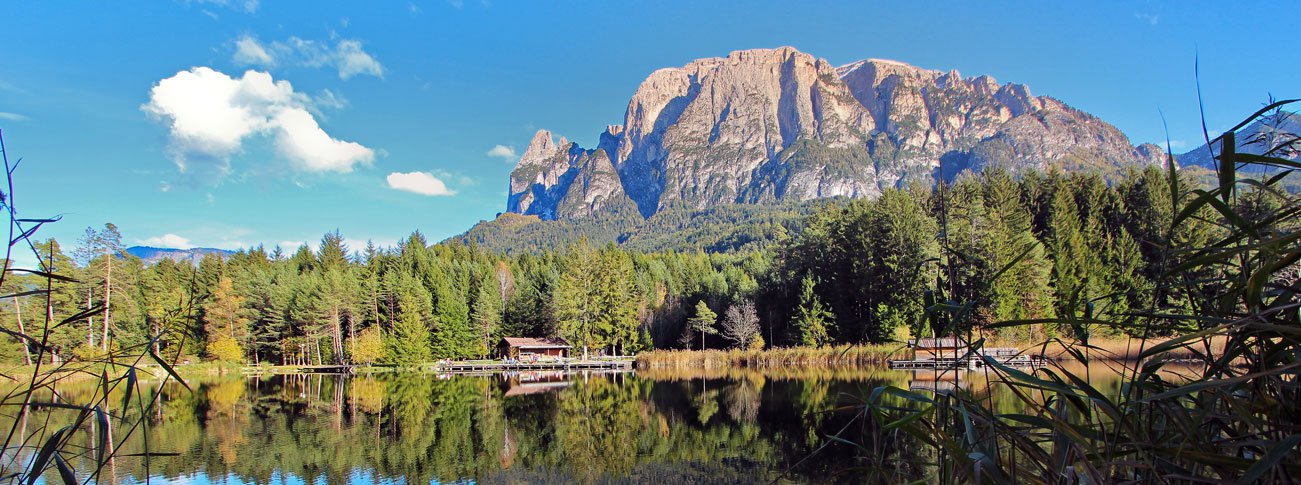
{"points": [[722, 427]]}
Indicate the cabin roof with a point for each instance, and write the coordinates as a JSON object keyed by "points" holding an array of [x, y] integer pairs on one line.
{"points": [[938, 343], [535, 343]]}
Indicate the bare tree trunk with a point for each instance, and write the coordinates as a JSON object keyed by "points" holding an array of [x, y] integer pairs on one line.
{"points": [[90, 320], [337, 336], [49, 317], [108, 296], [158, 332], [352, 332], [27, 353]]}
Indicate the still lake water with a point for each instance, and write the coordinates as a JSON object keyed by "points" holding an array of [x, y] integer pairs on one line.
{"points": [[645, 426]]}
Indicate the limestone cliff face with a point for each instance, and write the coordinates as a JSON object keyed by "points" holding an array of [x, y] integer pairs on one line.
{"points": [[561, 180], [773, 124], [713, 131]]}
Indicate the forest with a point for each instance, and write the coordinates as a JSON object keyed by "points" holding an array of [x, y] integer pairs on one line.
{"points": [[1024, 247]]}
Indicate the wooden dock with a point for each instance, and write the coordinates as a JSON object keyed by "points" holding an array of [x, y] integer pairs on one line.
{"points": [[459, 367], [500, 366], [1011, 357]]}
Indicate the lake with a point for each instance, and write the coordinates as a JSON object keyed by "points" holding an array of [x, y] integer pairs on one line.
{"points": [[529, 427]]}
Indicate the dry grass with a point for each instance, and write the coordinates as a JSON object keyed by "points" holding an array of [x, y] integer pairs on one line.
{"points": [[1126, 349], [778, 357]]}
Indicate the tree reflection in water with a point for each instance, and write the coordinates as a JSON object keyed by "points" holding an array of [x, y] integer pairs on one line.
{"points": [[721, 426]]}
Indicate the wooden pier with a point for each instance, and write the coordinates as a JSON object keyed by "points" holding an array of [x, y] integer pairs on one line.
{"points": [[460, 366], [955, 353], [500, 366], [973, 362]]}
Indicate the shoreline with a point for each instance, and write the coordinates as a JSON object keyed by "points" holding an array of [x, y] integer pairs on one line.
{"points": [[830, 357]]}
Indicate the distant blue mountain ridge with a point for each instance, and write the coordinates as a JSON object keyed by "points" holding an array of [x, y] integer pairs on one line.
{"points": [[152, 255]]}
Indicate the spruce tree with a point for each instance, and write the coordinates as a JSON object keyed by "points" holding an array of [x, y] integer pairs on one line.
{"points": [[811, 319], [409, 341]]}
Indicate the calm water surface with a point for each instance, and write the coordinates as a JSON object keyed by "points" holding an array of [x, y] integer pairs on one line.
{"points": [[719, 427]]}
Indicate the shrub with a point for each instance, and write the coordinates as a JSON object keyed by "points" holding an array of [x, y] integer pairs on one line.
{"points": [[225, 349]]}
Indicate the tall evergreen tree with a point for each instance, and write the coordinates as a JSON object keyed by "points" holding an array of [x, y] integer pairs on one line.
{"points": [[812, 319]]}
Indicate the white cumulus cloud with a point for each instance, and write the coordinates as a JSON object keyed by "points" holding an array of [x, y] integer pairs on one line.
{"points": [[301, 140], [168, 241], [347, 56], [423, 183], [210, 115], [504, 152]]}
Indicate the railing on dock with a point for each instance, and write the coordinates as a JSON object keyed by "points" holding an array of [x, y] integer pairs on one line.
{"points": [[559, 364], [1008, 356], [460, 366]]}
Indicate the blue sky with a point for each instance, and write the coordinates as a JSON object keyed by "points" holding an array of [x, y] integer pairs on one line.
{"points": [[106, 102]]}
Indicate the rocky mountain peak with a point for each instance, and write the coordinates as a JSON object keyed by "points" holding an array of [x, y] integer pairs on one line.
{"points": [[542, 147], [764, 125]]}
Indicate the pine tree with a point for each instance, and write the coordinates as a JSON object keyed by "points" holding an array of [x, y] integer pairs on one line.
{"points": [[577, 300], [703, 322], [486, 315], [811, 318], [1021, 291], [409, 342], [616, 304]]}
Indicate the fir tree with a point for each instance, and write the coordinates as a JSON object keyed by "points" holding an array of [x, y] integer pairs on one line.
{"points": [[811, 318]]}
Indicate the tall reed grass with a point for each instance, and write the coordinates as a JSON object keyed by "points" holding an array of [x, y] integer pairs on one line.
{"points": [[52, 436]]}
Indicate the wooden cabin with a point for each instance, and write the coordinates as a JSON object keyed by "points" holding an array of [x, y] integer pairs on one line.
{"points": [[938, 348], [525, 347]]}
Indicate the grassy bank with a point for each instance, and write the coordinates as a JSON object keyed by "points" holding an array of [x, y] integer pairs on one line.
{"points": [[837, 356], [1122, 349], [878, 354]]}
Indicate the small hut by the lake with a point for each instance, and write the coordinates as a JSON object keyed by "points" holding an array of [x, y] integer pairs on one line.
{"points": [[525, 347]]}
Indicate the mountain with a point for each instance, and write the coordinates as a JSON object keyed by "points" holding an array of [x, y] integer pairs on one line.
{"points": [[779, 125], [1273, 130], [152, 255]]}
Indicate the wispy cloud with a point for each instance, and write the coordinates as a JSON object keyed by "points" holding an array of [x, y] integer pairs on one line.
{"points": [[248, 6], [249, 52], [347, 56], [12, 116], [329, 99], [1150, 18], [460, 178], [423, 183], [10, 88], [211, 114], [503, 152]]}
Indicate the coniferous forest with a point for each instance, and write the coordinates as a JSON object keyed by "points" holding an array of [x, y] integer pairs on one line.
{"points": [[1025, 247]]}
